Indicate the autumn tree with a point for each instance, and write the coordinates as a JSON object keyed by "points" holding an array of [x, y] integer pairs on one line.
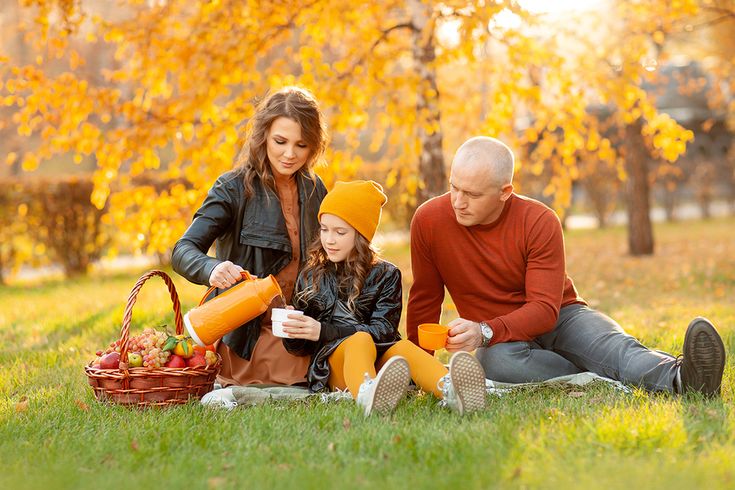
{"points": [[402, 83], [714, 27], [617, 62], [177, 95]]}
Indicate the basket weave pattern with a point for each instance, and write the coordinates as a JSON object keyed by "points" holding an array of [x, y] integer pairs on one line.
{"points": [[141, 386]]}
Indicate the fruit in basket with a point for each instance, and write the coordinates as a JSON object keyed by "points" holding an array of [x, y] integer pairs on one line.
{"points": [[175, 362], [184, 347], [210, 357], [181, 345], [148, 345], [135, 359], [196, 360], [110, 361], [203, 350]]}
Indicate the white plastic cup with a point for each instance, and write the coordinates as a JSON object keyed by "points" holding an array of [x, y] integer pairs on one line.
{"points": [[278, 316]]}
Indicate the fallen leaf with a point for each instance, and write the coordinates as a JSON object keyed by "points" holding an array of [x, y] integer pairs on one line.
{"points": [[134, 445], [22, 405], [216, 482], [396, 439], [516, 473], [330, 446], [82, 405], [346, 423]]}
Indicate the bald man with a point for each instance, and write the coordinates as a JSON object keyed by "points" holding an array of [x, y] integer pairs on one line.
{"points": [[501, 257]]}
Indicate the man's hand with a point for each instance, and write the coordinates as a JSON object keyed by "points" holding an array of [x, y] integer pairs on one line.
{"points": [[463, 335], [225, 274]]}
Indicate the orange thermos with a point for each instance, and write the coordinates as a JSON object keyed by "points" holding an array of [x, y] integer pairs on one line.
{"points": [[244, 301]]}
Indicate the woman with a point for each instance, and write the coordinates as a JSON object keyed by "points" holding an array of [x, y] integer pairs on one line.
{"points": [[351, 302], [261, 216]]}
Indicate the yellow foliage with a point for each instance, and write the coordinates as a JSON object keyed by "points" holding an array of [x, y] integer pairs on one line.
{"points": [[185, 82]]}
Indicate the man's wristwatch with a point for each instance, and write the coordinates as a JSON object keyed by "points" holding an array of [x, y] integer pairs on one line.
{"points": [[487, 334]]}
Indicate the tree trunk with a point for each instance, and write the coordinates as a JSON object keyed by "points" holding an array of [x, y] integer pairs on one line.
{"points": [[669, 201], [704, 182], [705, 208], [19, 48], [432, 174], [640, 231]]}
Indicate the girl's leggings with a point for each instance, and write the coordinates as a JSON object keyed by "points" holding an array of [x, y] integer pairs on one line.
{"points": [[356, 356]]}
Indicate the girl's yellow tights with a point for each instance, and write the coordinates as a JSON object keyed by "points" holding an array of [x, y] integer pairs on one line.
{"points": [[356, 356]]}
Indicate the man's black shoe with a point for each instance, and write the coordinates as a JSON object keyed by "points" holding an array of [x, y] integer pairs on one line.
{"points": [[704, 358]]}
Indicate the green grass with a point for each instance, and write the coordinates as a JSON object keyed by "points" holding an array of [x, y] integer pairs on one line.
{"points": [[53, 434]]}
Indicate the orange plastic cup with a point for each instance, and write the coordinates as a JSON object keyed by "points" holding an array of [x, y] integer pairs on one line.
{"points": [[433, 336]]}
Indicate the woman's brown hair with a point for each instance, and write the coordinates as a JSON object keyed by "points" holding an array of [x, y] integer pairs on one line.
{"points": [[294, 103]]}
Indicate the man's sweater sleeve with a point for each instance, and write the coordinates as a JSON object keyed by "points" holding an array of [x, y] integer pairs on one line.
{"points": [[427, 291], [545, 276]]}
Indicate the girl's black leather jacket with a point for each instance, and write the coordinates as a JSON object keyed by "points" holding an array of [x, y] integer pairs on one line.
{"points": [[378, 313]]}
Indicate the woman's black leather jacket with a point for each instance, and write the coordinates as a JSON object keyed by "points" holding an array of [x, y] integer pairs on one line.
{"points": [[248, 232]]}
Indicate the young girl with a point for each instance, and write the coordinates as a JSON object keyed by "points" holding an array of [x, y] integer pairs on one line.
{"points": [[351, 301]]}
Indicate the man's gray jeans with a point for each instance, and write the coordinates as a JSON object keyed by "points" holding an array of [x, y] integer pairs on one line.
{"points": [[583, 339]]}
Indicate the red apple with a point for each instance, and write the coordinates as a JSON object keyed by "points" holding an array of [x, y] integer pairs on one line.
{"points": [[110, 361], [197, 359], [175, 362]]}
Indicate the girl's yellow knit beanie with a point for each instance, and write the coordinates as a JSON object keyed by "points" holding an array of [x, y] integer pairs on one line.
{"points": [[359, 203]]}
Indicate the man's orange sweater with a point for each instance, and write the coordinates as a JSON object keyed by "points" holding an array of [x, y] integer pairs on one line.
{"points": [[510, 273]]}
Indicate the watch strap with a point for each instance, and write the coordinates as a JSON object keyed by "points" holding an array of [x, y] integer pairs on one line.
{"points": [[487, 334]]}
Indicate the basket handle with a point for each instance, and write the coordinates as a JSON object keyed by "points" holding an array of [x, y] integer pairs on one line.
{"points": [[245, 275], [128, 316]]}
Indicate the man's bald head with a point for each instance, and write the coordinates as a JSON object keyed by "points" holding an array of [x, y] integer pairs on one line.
{"points": [[491, 156]]}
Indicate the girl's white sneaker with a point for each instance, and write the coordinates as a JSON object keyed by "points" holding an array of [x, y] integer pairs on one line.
{"points": [[382, 393]]}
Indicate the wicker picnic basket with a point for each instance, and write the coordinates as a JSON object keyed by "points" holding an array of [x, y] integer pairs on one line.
{"points": [[141, 386]]}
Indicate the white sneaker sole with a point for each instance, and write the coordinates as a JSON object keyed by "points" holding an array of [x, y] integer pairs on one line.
{"points": [[391, 384], [468, 379], [221, 398]]}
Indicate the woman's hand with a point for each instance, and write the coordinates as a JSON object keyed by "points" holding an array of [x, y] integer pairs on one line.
{"points": [[225, 274], [300, 326]]}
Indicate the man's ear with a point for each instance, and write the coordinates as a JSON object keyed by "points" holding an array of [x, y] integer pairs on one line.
{"points": [[506, 191]]}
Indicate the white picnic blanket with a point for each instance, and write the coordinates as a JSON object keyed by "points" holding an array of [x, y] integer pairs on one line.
{"points": [[579, 379], [256, 395]]}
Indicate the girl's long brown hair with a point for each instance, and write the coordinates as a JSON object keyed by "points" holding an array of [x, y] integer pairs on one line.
{"points": [[351, 273], [294, 103]]}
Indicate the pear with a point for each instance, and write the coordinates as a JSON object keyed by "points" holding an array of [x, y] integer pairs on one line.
{"points": [[135, 359]]}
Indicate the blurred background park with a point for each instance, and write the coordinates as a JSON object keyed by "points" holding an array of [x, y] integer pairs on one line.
{"points": [[117, 116]]}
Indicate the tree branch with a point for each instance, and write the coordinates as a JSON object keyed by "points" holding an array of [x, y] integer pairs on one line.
{"points": [[383, 36]]}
